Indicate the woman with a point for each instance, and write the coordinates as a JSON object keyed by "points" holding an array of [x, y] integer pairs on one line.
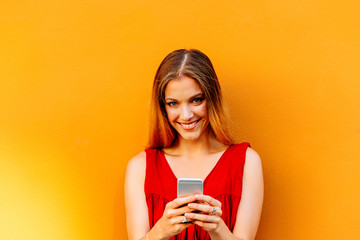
{"points": [[190, 138]]}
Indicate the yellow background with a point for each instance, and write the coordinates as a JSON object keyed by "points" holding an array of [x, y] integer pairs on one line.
{"points": [[75, 89]]}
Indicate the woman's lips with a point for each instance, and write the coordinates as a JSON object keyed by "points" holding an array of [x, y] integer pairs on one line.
{"points": [[190, 125]]}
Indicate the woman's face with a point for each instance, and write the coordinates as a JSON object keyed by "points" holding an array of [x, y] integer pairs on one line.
{"points": [[186, 109]]}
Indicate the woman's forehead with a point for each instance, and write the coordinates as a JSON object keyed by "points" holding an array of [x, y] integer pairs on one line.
{"points": [[183, 87]]}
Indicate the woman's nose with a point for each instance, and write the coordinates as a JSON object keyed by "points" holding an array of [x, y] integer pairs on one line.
{"points": [[186, 113]]}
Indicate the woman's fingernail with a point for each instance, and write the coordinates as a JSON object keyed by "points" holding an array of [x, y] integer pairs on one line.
{"points": [[190, 205]]}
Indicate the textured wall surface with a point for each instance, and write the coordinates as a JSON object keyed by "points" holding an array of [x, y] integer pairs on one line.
{"points": [[75, 84]]}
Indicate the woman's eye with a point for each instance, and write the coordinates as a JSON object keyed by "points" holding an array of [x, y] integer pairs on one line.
{"points": [[171, 104], [198, 100]]}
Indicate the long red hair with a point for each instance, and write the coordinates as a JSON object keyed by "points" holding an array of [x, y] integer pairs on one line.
{"points": [[194, 64]]}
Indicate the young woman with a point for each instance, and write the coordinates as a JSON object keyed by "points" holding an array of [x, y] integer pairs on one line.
{"points": [[190, 138]]}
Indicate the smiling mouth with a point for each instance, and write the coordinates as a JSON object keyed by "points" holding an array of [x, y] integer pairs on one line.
{"points": [[189, 126]]}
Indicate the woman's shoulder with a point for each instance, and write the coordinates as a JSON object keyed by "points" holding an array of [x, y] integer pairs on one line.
{"points": [[250, 154], [252, 160], [137, 162]]}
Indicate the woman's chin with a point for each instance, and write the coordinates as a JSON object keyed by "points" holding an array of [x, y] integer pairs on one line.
{"points": [[190, 136]]}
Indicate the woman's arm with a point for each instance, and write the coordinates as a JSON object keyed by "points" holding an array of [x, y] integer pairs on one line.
{"points": [[137, 221], [249, 211]]}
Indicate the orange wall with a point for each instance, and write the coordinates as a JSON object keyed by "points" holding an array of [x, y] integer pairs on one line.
{"points": [[74, 96]]}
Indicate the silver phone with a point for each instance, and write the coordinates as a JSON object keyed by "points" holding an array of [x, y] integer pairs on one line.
{"points": [[189, 186]]}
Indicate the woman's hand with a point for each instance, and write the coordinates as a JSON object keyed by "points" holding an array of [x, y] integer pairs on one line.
{"points": [[171, 222], [209, 217]]}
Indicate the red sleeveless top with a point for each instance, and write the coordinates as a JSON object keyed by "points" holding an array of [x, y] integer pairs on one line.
{"points": [[223, 183]]}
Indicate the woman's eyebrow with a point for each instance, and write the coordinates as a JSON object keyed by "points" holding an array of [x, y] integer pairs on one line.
{"points": [[196, 95], [172, 99]]}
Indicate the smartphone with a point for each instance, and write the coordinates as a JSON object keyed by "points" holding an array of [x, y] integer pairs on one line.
{"points": [[189, 186]]}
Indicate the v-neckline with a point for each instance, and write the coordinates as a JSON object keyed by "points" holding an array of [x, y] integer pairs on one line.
{"points": [[208, 175]]}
